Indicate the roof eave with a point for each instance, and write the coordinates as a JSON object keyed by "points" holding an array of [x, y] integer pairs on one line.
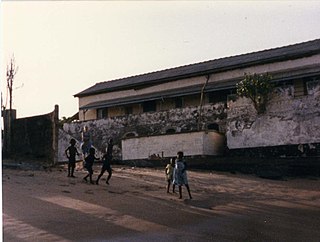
{"points": [[240, 63]]}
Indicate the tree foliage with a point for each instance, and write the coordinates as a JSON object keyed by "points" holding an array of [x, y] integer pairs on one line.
{"points": [[256, 87]]}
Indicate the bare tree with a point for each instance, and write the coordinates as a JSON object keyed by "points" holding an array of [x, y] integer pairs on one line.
{"points": [[201, 101], [11, 72]]}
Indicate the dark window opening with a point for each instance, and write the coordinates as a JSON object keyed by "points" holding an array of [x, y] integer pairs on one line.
{"points": [[149, 106], [130, 135], [283, 83], [214, 126], [128, 110], [178, 102], [102, 113], [170, 131], [218, 96], [312, 85]]}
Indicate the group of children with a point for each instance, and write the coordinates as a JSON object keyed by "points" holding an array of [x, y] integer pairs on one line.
{"points": [[176, 170], [71, 153], [176, 173]]}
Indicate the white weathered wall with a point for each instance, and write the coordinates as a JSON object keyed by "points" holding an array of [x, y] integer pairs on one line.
{"points": [[146, 124], [64, 143], [213, 143], [195, 143], [288, 120]]}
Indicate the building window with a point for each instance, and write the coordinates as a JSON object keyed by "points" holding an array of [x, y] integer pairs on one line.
{"points": [[313, 86], [178, 102], [128, 110], [231, 99], [102, 113], [218, 96], [149, 106], [213, 126], [299, 88]]}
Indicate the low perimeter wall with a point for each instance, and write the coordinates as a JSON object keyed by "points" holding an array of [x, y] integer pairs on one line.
{"points": [[33, 138], [163, 146]]}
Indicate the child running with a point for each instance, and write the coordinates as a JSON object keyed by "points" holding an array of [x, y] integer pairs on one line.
{"points": [[106, 163], [71, 153], [89, 163]]}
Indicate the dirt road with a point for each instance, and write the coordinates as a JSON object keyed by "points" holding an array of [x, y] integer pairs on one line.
{"points": [[49, 206]]}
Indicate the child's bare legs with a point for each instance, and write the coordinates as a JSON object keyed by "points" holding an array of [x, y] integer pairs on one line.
{"points": [[109, 176], [85, 178], [180, 192], [90, 177], [69, 169], [73, 165], [168, 186], [72, 171], [173, 188], [100, 175], [188, 188]]}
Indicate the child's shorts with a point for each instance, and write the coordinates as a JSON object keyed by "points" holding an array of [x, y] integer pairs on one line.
{"points": [[72, 164], [89, 169]]}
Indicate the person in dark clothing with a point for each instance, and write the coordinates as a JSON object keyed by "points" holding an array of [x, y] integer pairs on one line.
{"points": [[89, 163], [86, 141], [71, 153], [106, 162]]}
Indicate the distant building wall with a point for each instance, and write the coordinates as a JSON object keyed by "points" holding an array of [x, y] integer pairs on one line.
{"points": [[147, 124], [35, 138], [192, 144]]}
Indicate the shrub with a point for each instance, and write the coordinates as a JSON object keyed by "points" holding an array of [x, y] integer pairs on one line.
{"points": [[256, 87]]}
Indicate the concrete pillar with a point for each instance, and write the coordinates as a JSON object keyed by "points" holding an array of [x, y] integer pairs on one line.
{"points": [[55, 130]]}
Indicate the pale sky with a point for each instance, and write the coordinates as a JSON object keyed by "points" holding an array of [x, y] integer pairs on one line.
{"points": [[64, 47]]}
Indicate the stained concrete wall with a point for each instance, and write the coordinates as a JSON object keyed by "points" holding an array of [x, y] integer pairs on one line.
{"points": [[288, 120], [146, 124], [35, 138], [64, 143], [164, 146]]}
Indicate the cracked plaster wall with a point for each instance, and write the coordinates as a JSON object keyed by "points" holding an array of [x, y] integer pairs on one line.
{"points": [[288, 120], [193, 143], [145, 124]]}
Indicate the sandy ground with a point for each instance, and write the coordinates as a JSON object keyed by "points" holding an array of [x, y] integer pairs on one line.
{"points": [[225, 206]]}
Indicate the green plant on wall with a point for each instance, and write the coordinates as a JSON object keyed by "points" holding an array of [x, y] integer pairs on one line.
{"points": [[256, 87]]}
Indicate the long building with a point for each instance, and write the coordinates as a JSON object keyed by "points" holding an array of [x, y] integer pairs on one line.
{"points": [[202, 97]]}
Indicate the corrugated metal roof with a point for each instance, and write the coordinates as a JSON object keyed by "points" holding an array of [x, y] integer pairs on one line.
{"points": [[207, 67]]}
